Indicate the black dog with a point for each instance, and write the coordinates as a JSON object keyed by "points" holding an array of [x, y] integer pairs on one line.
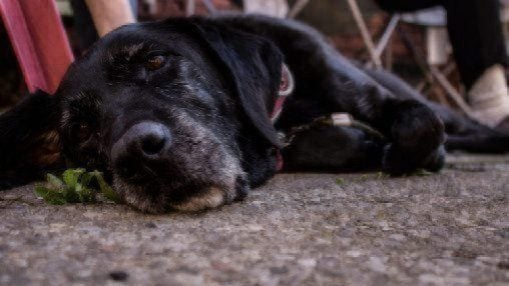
{"points": [[178, 114]]}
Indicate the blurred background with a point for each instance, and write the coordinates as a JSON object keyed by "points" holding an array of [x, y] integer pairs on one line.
{"points": [[414, 45]]}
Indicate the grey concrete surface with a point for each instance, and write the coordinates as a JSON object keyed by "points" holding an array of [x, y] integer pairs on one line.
{"points": [[299, 229]]}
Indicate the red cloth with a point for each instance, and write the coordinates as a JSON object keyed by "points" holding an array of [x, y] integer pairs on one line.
{"points": [[39, 41]]}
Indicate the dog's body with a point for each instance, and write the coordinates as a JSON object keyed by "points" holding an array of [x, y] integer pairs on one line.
{"points": [[177, 113]]}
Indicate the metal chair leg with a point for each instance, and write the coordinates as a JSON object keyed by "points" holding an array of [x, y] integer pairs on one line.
{"points": [[210, 7], [368, 41], [297, 8], [386, 37], [190, 7], [451, 91]]}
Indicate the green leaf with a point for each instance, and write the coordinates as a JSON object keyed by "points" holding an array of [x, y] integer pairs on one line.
{"points": [[42, 191], [422, 173], [78, 190], [86, 195], [71, 176], [109, 193], [56, 199], [74, 187], [86, 178], [71, 196], [54, 181], [50, 196], [90, 195], [105, 189]]}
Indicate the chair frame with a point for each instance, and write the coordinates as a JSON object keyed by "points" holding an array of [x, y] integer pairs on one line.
{"points": [[375, 50], [39, 41]]}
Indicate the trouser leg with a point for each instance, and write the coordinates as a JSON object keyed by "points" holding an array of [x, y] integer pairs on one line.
{"points": [[406, 5], [476, 36], [474, 29]]}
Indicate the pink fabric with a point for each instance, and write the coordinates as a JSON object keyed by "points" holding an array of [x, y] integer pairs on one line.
{"points": [[39, 41], [280, 163], [278, 107]]}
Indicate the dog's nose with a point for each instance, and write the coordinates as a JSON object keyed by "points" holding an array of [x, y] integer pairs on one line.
{"points": [[151, 142], [144, 140]]}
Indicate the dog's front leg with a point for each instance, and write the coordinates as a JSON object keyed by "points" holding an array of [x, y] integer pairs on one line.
{"points": [[417, 136], [414, 132]]}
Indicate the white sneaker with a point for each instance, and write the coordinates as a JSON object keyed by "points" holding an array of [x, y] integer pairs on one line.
{"points": [[489, 97], [275, 8]]}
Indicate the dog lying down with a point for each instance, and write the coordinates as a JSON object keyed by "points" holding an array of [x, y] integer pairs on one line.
{"points": [[185, 114]]}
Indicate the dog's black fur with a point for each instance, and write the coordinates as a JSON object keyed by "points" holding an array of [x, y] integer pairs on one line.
{"points": [[199, 91]]}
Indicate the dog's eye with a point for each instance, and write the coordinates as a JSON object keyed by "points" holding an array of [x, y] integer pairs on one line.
{"points": [[155, 63], [82, 131]]}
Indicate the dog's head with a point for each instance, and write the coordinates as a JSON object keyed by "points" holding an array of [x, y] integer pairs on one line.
{"points": [[175, 112]]}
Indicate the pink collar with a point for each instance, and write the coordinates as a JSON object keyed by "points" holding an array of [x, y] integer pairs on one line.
{"points": [[274, 116], [278, 108], [285, 89]]}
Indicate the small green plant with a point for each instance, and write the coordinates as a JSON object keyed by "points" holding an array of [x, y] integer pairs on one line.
{"points": [[340, 181], [75, 186]]}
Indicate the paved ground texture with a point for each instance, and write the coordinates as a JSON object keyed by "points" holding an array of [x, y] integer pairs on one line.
{"points": [[300, 229]]}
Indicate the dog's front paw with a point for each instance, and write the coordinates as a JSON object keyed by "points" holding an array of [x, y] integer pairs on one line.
{"points": [[417, 140], [398, 161]]}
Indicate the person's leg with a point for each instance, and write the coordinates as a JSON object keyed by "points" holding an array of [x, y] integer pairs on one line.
{"points": [[479, 50], [480, 53], [476, 36], [406, 5], [474, 29], [84, 25], [110, 14]]}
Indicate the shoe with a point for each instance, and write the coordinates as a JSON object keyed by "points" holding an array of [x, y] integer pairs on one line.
{"points": [[274, 8], [489, 98]]}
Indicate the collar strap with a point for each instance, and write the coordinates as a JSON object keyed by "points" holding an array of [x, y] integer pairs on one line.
{"points": [[286, 87]]}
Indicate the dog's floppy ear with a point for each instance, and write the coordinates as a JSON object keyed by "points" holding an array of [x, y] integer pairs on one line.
{"points": [[29, 141], [254, 66]]}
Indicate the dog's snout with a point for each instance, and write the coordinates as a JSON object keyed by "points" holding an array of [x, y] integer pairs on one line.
{"points": [[152, 143], [143, 141]]}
